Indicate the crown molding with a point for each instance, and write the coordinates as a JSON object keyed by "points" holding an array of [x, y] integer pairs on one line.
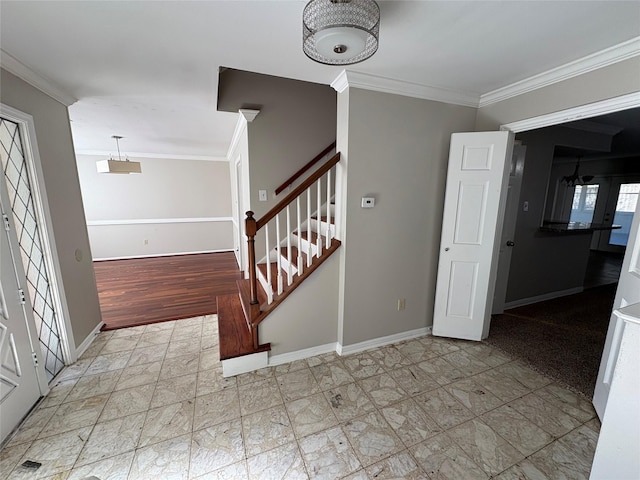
{"points": [[610, 105], [377, 83], [20, 70], [246, 116], [603, 58], [249, 114], [160, 156]]}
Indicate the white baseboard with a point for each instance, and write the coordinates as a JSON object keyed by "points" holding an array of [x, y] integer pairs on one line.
{"points": [[301, 354], [541, 298], [88, 341], [244, 364], [160, 255], [382, 341]]}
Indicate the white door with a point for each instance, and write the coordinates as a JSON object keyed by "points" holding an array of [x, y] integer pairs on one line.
{"points": [[20, 386], [474, 208], [509, 227], [628, 293]]}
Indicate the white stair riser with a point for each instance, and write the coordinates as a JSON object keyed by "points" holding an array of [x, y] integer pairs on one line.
{"points": [[324, 227]]}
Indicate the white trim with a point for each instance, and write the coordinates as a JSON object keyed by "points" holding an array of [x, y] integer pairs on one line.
{"points": [[89, 340], [301, 354], [147, 221], [381, 341], [398, 87], [244, 364], [41, 203], [629, 314], [20, 70], [543, 297], [616, 104], [603, 58], [161, 255], [249, 114], [245, 117], [160, 156]]}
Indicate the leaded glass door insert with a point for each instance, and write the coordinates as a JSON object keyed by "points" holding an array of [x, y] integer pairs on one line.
{"points": [[26, 223]]}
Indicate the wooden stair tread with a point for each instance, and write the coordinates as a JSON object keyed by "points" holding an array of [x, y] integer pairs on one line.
{"points": [[314, 237], [324, 219], [235, 336]]}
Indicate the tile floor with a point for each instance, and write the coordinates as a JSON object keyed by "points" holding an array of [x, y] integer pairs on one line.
{"points": [[151, 403]]}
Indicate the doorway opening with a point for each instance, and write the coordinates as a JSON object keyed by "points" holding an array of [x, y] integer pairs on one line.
{"points": [[568, 310]]}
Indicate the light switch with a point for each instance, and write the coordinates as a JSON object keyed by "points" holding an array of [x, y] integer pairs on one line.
{"points": [[525, 206], [262, 195], [368, 202]]}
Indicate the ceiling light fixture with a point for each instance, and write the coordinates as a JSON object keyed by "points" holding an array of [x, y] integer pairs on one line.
{"points": [[575, 178], [118, 166], [340, 32]]}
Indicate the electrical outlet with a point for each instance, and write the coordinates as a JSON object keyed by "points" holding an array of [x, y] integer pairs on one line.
{"points": [[401, 302], [146, 242]]}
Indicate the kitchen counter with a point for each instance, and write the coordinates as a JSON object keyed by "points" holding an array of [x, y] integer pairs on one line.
{"points": [[564, 228]]}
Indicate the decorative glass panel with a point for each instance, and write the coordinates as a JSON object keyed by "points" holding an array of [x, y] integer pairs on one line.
{"points": [[31, 249]]}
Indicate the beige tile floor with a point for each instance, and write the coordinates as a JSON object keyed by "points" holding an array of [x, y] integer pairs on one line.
{"points": [[151, 403]]}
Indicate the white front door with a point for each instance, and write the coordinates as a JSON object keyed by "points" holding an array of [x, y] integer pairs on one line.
{"points": [[20, 384], [471, 228], [628, 293], [509, 227]]}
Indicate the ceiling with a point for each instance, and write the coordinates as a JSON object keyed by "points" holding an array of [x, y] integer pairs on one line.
{"points": [[148, 70]]}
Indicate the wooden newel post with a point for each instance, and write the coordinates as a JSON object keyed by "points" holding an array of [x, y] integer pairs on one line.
{"points": [[251, 229]]}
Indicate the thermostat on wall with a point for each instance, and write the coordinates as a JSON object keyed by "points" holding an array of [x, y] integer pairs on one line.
{"points": [[368, 202]]}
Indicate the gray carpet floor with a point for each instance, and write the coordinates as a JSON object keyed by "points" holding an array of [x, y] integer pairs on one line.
{"points": [[562, 338]]}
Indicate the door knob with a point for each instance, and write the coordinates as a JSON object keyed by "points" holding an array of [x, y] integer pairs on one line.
{"points": [[510, 243]]}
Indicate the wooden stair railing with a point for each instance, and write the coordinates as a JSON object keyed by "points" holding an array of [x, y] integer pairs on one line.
{"points": [[311, 250], [307, 166]]}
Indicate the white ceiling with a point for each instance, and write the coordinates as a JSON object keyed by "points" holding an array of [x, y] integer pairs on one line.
{"points": [[148, 70]]}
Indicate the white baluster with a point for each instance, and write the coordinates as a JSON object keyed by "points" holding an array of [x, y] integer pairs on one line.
{"points": [[309, 227], [299, 237], [279, 256], [270, 289], [319, 215], [289, 272], [328, 219]]}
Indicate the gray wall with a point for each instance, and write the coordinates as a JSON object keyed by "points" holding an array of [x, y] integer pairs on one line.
{"points": [[396, 151], [608, 82], [542, 263], [164, 206], [297, 121], [60, 178]]}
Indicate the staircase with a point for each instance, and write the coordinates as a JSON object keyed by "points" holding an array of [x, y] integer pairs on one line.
{"points": [[299, 235]]}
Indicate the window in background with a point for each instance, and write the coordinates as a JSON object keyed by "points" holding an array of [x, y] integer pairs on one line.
{"points": [[584, 203], [626, 206]]}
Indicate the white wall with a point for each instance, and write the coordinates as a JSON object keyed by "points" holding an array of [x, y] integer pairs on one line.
{"points": [[60, 177], [173, 207]]}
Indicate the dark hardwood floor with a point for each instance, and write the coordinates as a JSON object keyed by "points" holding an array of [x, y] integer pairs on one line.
{"points": [[148, 290]]}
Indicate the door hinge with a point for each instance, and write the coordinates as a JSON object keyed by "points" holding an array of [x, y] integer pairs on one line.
{"points": [[35, 358], [7, 226], [21, 296]]}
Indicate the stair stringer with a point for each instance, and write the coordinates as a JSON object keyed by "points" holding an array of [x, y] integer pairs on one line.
{"points": [[308, 318]]}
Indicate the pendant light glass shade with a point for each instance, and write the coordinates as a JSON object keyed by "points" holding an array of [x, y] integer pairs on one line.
{"points": [[340, 32]]}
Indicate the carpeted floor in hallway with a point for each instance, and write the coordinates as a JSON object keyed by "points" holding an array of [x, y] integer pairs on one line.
{"points": [[562, 338]]}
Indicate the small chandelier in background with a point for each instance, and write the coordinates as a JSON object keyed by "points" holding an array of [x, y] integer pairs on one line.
{"points": [[575, 178], [340, 32], [118, 166]]}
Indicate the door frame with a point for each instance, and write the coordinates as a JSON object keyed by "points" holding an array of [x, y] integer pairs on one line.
{"points": [[27, 128]]}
